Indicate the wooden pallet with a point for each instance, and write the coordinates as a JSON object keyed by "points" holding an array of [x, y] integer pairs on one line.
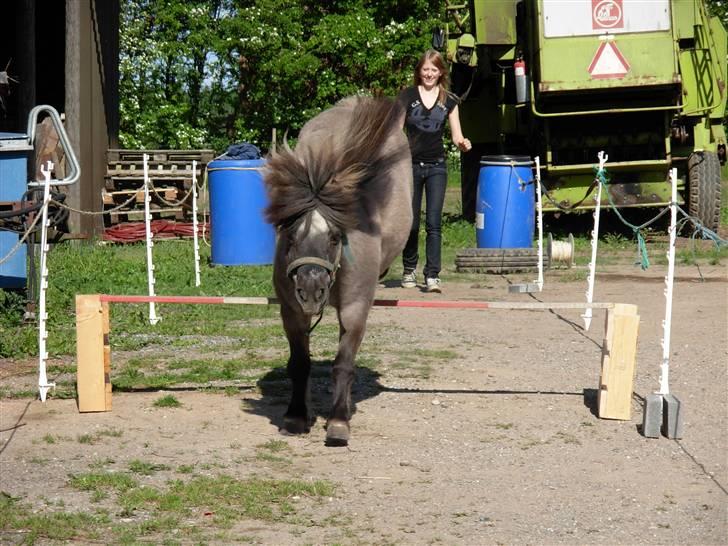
{"points": [[164, 156], [116, 198], [169, 213], [170, 172], [118, 183]]}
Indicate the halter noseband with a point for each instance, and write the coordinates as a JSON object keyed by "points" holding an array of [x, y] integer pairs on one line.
{"points": [[332, 268]]}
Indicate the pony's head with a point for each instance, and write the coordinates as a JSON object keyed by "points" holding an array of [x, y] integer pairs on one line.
{"points": [[317, 193], [313, 251], [312, 204]]}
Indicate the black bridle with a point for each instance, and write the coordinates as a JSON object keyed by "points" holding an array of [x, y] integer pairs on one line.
{"points": [[332, 269]]}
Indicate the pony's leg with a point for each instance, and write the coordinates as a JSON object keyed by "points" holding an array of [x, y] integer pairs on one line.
{"points": [[352, 324], [297, 419]]}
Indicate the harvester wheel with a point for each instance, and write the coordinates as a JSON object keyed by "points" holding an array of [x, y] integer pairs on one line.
{"points": [[704, 188]]}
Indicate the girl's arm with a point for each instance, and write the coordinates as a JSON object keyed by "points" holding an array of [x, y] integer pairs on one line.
{"points": [[457, 133]]}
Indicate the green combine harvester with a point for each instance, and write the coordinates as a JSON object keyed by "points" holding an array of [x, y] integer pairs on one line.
{"points": [[642, 80]]}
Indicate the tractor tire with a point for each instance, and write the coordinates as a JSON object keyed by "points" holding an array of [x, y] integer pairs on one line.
{"points": [[704, 188]]}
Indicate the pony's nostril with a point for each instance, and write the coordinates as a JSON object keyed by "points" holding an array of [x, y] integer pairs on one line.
{"points": [[320, 294], [301, 294]]}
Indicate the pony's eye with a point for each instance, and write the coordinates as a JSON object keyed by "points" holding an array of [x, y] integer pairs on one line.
{"points": [[335, 239]]}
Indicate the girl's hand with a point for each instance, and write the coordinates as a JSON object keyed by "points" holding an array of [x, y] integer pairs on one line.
{"points": [[464, 145]]}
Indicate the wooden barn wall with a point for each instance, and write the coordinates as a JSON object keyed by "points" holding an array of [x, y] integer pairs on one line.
{"points": [[74, 68], [91, 100]]}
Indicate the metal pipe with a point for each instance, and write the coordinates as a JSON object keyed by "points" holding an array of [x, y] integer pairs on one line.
{"points": [[75, 170], [595, 112]]}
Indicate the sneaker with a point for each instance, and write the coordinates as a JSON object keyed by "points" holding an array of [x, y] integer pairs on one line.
{"points": [[433, 285], [409, 280]]}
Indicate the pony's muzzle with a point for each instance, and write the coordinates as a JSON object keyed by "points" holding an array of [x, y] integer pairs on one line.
{"points": [[311, 285]]}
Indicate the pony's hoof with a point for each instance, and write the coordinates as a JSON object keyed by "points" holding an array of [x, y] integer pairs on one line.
{"points": [[295, 425], [337, 433]]}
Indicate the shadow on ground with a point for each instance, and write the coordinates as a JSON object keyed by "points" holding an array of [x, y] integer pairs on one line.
{"points": [[275, 388]]}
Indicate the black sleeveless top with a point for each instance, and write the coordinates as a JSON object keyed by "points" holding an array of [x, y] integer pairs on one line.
{"points": [[425, 126]]}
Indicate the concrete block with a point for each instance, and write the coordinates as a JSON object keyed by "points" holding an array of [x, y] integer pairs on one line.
{"points": [[526, 288], [652, 418], [672, 417]]}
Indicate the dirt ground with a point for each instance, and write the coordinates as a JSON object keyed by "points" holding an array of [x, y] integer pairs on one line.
{"points": [[497, 444]]}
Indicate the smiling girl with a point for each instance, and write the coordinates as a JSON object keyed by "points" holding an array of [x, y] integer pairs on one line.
{"points": [[428, 105]]}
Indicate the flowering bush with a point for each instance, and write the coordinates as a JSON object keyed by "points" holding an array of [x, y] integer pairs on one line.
{"points": [[205, 73]]}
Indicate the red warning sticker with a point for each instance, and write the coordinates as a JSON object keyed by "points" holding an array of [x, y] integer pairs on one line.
{"points": [[607, 14], [608, 62]]}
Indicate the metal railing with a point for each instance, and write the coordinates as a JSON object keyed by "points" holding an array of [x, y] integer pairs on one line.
{"points": [[74, 171]]}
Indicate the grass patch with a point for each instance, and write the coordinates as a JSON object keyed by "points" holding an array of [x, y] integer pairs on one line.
{"points": [[158, 373], [167, 401], [93, 438], [95, 481], [275, 446], [199, 507], [121, 269], [146, 469], [272, 450], [32, 527]]}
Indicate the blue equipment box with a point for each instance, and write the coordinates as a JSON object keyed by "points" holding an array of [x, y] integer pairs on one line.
{"points": [[14, 153]]}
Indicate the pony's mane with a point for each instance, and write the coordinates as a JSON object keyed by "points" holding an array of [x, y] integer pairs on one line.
{"points": [[329, 172]]}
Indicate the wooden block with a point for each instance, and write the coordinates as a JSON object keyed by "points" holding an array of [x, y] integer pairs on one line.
{"points": [[618, 362], [93, 382], [107, 355]]}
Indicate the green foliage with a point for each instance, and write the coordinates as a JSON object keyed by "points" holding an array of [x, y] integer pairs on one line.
{"points": [[206, 73], [15, 340], [718, 8]]}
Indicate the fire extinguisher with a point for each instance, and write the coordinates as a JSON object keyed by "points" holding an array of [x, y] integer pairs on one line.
{"points": [[519, 68]]}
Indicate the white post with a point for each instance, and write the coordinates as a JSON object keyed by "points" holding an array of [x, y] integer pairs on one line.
{"points": [[539, 224], [669, 282], [43, 385], [153, 319], [587, 316], [194, 223]]}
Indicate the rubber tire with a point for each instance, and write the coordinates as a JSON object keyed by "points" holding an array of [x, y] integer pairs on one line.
{"points": [[704, 188]]}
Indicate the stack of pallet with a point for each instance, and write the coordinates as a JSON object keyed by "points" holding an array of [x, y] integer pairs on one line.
{"points": [[498, 260], [170, 174]]}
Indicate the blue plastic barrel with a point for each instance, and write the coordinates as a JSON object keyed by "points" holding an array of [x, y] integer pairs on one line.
{"points": [[505, 203], [240, 234], [14, 153]]}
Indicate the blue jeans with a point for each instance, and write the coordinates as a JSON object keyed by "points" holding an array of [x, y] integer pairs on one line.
{"points": [[432, 179]]}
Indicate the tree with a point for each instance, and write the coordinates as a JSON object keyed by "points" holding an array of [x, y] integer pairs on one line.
{"points": [[212, 72]]}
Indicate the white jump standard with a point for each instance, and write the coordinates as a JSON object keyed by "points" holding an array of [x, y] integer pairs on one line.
{"points": [[662, 409]]}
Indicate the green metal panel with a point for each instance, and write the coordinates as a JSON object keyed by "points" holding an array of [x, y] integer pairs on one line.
{"points": [[692, 69], [650, 58], [685, 15], [495, 22], [564, 61], [648, 189], [719, 38]]}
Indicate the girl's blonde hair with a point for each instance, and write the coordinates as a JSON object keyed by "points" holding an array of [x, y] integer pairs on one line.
{"points": [[436, 59]]}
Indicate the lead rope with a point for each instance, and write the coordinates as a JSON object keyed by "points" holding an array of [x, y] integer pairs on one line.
{"points": [[321, 315]]}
